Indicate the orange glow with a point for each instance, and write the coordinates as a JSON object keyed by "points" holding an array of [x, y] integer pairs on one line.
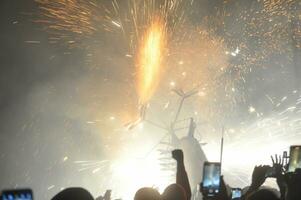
{"points": [[149, 60]]}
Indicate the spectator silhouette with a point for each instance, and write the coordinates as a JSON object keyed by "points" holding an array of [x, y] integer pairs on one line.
{"points": [[258, 178], [147, 193], [73, 194], [174, 192], [293, 185], [263, 194], [181, 190]]}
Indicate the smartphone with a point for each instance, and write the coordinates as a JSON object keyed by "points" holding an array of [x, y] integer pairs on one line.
{"points": [[21, 194], [211, 178], [271, 173], [294, 159], [236, 193]]}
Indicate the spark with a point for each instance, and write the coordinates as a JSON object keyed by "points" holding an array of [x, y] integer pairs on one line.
{"points": [[65, 158], [116, 24], [50, 187], [251, 109], [33, 42]]}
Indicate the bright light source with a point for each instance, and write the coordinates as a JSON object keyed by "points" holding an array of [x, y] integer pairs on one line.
{"points": [[251, 109], [133, 174], [172, 84]]}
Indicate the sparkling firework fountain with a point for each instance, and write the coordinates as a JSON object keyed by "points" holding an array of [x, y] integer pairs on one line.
{"points": [[150, 56]]}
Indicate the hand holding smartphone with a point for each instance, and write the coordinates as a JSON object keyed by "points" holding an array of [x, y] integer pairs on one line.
{"points": [[271, 172], [211, 178]]}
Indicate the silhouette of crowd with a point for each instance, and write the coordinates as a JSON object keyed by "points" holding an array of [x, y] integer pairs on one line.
{"points": [[288, 181]]}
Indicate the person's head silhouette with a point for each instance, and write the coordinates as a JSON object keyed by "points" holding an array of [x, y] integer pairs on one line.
{"points": [[263, 194], [74, 194], [174, 192], [147, 193]]}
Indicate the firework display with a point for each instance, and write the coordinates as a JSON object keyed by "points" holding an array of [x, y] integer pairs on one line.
{"points": [[124, 67], [215, 54]]}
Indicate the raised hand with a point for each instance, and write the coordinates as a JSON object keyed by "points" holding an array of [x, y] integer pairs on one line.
{"points": [[278, 165], [177, 154], [259, 176], [278, 162]]}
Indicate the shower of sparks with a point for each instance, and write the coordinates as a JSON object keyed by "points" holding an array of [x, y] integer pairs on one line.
{"points": [[273, 26], [149, 62], [70, 21]]}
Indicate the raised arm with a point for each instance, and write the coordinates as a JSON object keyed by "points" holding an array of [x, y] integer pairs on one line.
{"points": [[182, 178]]}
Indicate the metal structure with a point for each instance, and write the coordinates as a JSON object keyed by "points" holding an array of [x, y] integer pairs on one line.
{"points": [[192, 148]]}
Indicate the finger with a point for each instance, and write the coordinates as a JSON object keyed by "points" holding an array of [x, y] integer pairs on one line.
{"points": [[276, 158], [272, 159], [280, 160]]}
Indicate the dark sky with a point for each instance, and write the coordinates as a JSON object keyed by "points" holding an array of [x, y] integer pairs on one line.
{"points": [[29, 154]]}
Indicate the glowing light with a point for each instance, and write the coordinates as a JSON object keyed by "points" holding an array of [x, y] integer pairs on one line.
{"points": [[251, 109], [150, 59], [65, 158], [172, 83], [141, 173]]}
